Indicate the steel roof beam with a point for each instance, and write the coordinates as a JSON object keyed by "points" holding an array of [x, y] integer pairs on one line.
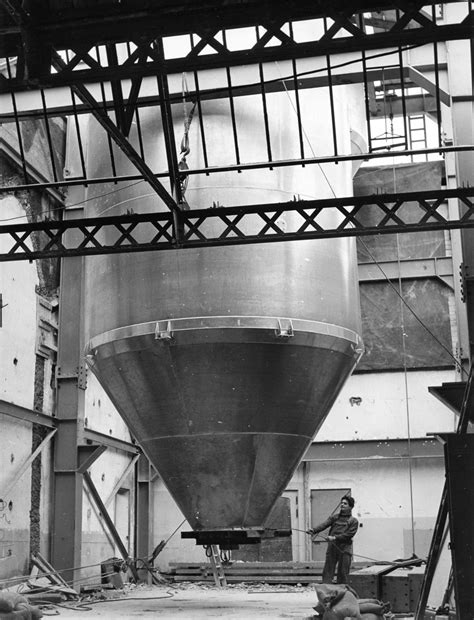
{"points": [[28, 107], [307, 161], [115, 22]]}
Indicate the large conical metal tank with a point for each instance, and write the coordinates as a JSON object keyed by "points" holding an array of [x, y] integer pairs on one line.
{"points": [[225, 361]]}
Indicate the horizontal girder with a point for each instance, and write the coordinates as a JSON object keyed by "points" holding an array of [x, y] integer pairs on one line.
{"points": [[360, 215]]}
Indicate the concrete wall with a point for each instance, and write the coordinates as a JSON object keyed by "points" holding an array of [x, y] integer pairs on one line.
{"points": [[383, 502], [14, 505], [388, 405], [17, 374]]}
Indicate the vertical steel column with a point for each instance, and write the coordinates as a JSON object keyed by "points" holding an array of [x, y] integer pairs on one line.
{"points": [[67, 499], [459, 455], [70, 378], [305, 466], [142, 512]]}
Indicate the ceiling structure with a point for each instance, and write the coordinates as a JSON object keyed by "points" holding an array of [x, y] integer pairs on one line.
{"points": [[65, 59]]}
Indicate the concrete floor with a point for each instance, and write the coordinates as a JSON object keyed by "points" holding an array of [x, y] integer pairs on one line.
{"points": [[192, 601], [199, 602]]}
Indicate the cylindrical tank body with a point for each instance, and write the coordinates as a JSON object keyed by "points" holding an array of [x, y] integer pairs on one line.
{"points": [[225, 361]]}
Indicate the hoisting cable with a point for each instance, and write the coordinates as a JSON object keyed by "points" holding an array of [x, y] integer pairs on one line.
{"points": [[161, 545], [405, 374], [185, 149]]}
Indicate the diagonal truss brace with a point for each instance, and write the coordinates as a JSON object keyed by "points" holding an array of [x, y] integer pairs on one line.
{"points": [[118, 137], [352, 216]]}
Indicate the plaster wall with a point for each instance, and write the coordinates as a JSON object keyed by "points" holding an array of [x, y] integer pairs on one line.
{"points": [[396, 502], [18, 332], [17, 374], [166, 518], [388, 406], [100, 414]]}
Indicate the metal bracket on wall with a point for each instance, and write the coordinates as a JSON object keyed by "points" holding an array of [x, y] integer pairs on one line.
{"points": [[80, 376]]}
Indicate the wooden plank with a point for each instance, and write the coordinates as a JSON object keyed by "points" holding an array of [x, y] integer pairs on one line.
{"points": [[256, 564], [254, 579], [261, 565], [50, 575], [51, 569], [230, 573]]}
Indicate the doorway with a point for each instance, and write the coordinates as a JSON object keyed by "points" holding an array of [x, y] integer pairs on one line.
{"points": [[295, 533]]}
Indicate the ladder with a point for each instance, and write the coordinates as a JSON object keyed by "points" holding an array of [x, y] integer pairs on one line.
{"points": [[218, 571], [417, 134]]}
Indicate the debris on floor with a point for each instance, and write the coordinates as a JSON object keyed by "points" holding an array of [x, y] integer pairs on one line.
{"points": [[14, 606]]}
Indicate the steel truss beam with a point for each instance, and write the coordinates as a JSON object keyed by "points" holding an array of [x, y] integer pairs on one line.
{"points": [[82, 36], [354, 216]]}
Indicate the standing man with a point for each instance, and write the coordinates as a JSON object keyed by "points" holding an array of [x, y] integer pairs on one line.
{"points": [[342, 528]]}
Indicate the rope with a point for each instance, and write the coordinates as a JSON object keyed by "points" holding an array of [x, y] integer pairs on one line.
{"points": [[357, 555]]}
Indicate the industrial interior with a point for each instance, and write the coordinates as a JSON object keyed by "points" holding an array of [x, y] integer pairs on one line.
{"points": [[236, 261]]}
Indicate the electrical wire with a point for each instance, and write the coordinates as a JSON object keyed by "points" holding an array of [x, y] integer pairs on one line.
{"points": [[407, 405]]}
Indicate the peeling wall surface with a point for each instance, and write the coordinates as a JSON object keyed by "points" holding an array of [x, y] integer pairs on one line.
{"points": [[406, 324]]}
